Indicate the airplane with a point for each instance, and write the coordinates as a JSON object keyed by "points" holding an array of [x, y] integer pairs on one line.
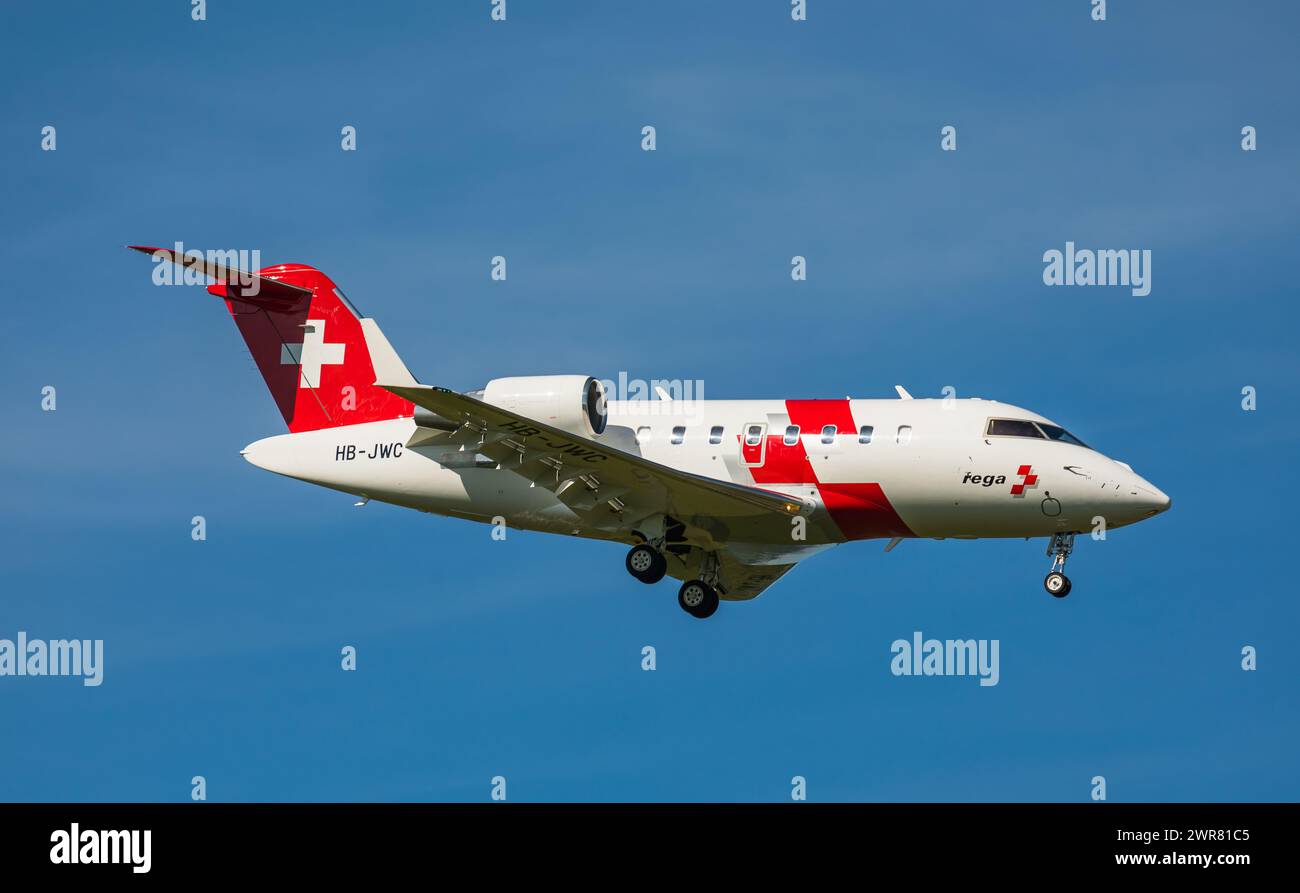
{"points": [[724, 495]]}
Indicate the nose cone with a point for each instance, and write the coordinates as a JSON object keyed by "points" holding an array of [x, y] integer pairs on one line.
{"points": [[1151, 499]]}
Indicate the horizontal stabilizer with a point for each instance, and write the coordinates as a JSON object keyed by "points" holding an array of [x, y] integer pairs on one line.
{"points": [[263, 291]]}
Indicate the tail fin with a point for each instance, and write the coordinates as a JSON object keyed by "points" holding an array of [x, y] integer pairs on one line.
{"points": [[315, 351]]}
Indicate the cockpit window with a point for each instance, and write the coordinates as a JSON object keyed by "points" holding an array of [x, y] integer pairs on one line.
{"points": [[1055, 432], [1013, 428], [1036, 430]]}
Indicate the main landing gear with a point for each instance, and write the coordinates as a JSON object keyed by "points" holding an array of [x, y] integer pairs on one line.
{"points": [[1057, 583], [699, 598], [646, 563]]}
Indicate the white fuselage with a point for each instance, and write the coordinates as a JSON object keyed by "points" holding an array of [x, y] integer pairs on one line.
{"points": [[929, 468]]}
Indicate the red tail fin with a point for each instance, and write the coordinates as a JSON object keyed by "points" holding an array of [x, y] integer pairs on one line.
{"points": [[314, 356], [311, 345]]}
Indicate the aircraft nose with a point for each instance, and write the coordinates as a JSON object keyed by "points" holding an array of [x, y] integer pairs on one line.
{"points": [[1152, 498]]}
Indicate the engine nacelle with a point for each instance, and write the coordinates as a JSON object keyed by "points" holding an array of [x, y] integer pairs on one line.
{"points": [[573, 403]]}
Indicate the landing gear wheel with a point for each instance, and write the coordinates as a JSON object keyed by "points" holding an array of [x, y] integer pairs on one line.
{"points": [[1057, 584], [698, 598], [646, 564]]}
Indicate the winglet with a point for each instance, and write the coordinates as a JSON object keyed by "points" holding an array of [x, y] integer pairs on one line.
{"points": [[902, 392]]}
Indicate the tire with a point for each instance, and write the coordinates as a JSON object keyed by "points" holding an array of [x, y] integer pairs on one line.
{"points": [[1057, 585], [698, 598], [646, 564]]}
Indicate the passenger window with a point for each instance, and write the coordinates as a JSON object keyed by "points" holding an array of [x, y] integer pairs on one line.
{"points": [[643, 434], [679, 434], [828, 434], [1013, 428], [754, 436], [904, 434], [715, 434], [864, 434], [791, 435]]}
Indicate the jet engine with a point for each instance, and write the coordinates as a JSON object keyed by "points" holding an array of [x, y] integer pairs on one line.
{"points": [[573, 403]]}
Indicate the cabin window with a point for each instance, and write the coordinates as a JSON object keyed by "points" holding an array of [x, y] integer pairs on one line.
{"points": [[791, 435], [754, 435], [864, 434], [643, 434], [1013, 428], [828, 434], [679, 434], [715, 434], [904, 436]]}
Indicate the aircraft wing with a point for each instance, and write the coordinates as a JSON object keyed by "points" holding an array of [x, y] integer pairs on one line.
{"points": [[744, 581], [610, 487]]}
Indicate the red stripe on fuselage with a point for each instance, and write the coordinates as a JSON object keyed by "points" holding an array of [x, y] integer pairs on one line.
{"points": [[861, 511], [812, 415]]}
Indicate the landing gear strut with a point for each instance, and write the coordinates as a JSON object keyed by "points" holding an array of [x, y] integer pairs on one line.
{"points": [[1057, 583], [646, 563]]}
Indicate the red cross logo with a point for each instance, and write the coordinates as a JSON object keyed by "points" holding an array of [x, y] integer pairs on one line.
{"points": [[1030, 480]]}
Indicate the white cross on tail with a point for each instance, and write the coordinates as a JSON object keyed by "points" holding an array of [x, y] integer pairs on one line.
{"points": [[312, 354]]}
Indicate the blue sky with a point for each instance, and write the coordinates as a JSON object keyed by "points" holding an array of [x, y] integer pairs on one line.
{"points": [[479, 658]]}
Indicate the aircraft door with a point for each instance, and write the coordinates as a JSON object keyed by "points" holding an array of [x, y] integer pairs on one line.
{"points": [[753, 442]]}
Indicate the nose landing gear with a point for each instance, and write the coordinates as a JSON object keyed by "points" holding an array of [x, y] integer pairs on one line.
{"points": [[1057, 583]]}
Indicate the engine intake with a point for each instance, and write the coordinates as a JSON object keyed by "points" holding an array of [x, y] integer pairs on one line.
{"points": [[573, 403]]}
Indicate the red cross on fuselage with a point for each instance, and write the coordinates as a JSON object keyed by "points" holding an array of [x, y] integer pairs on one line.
{"points": [[1030, 480]]}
